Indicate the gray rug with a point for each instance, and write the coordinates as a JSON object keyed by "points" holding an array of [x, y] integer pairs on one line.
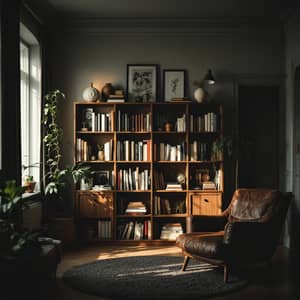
{"points": [[150, 277]]}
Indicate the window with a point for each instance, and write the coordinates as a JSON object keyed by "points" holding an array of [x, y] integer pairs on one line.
{"points": [[30, 97]]}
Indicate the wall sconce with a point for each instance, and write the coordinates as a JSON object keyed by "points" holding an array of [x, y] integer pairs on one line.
{"points": [[209, 78]]}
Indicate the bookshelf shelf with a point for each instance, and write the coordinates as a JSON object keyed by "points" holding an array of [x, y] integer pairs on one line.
{"points": [[133, 216], [171, 216], [141, 159]]}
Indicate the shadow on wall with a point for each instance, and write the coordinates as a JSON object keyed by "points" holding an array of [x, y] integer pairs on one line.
{"points": [[295, 209]]}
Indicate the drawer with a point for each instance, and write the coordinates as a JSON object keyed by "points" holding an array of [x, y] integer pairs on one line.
{"points": [[206, 204], [95, 205]]}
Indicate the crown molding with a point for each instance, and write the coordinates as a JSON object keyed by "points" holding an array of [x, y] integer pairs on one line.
{"points": [[166, 26]]}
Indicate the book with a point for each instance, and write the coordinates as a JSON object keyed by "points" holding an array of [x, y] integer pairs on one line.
{"points": [[113, 100]]}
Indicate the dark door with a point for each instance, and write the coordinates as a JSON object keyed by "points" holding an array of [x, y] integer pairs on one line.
{"points": [[258, 132]]}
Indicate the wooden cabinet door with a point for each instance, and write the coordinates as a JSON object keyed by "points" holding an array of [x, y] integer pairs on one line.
{"points": [[95, 205], [206, 203]]}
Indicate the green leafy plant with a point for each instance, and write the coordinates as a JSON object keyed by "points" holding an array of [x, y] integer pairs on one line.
{"points": [[11, 199], [100, 147], [221, 146], [57, 178], [28, 178]]}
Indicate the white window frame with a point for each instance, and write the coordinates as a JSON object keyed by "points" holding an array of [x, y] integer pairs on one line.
{"points": [[30, 106]]}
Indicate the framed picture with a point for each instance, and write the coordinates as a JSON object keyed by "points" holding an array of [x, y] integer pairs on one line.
{"points": [[174, 84], [142, 81], [102, 177]]}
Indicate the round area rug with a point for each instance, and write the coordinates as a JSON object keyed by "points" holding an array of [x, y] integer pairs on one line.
{"points": [[150, 277]]}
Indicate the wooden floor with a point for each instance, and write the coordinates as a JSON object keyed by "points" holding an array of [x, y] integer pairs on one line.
{"points": [[280, 281]]}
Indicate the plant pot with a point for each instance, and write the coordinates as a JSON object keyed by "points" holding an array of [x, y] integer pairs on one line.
{"points": [[30, 186], [100, 155]]}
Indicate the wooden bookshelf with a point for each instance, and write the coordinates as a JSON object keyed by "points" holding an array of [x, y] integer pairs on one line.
{"points": [[141, 159]]}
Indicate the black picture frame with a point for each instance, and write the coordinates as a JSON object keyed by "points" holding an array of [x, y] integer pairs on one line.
{"points": [[102, 177], [174, 84], [142, 82]]}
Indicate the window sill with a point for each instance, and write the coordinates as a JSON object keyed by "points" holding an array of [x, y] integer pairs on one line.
{"points": [[32, 197]]}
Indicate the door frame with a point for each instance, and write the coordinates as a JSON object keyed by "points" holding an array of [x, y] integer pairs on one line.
{"points": [[266, 80]]}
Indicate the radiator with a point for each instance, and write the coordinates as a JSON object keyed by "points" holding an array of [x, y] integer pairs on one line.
{"points": [[32, 216]]}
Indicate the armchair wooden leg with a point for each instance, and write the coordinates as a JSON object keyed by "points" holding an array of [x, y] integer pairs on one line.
{"points": [[226, 272], [185, 262]]}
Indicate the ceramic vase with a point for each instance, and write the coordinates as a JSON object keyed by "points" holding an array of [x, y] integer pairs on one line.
{"points": [[90, 93], [107, 90], [199, 95]]}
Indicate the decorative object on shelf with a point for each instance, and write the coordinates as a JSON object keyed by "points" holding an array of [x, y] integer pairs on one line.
{"points": [[86, 184], [100, 151], [174, 85], [107, 90], [142, 83], [200, 94], [168, 126], [181, 178], [90, 93]]}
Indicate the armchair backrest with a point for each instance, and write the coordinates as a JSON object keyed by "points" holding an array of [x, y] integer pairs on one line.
{"points": [[256, 205]]}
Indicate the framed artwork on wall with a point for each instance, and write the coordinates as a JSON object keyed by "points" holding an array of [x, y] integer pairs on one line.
{"points": [[174, 84], [142, 81]]}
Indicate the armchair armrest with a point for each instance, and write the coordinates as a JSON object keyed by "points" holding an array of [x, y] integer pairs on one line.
{"points": [[205, 223]]}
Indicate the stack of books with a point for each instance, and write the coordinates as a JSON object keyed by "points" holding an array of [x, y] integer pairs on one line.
{"points": [[117, 97], [100, 187], [174, 186], [208, 185], [136, 208], [170, 231]]}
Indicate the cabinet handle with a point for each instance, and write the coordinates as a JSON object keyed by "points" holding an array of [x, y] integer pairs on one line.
{"points": [[205, 200]]}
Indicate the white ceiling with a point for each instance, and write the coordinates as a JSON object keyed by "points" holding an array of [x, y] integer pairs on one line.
{"points": [[269, 9]]}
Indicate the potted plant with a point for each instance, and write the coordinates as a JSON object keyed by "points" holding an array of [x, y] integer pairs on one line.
{"points": [[11, 206], [58, 181], [219, 146], [29, 184]]}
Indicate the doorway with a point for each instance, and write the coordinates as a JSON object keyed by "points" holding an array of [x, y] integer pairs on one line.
{"points": [[258, 137]]}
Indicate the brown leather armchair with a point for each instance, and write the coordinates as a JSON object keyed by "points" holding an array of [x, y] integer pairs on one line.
{"points": [[248, 231]]}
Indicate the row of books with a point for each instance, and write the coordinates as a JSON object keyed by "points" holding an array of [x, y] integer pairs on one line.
{"points": [[96, 121], [165, 206], [204, 123], [134, 150], [104, 229], [133, 179], [134, 230], [84, 150], [133, 121], [172, 152], [200, 151], [180, 125]]}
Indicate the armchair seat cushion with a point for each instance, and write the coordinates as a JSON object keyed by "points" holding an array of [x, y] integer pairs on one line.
{"points": [[209, 245]]}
